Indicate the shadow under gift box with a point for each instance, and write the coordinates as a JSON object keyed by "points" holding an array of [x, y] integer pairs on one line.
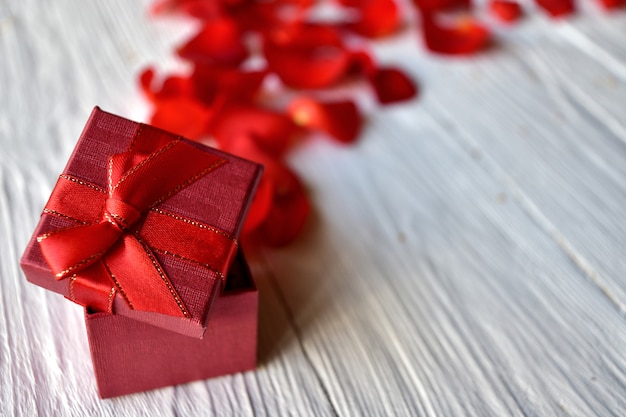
{"points": [[130, 356], [218, 200]]}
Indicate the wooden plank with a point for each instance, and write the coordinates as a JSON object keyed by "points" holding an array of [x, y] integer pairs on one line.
{"points": [[429, 282], [601, 37], [554, 137], [432, 292], [60, 60]]}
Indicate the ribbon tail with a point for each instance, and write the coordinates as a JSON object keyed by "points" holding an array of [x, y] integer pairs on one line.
{"points": [[93, 288], [70, 250], [140, 279]]}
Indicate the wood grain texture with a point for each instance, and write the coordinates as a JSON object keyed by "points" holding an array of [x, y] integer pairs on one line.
{"points": [[465, 258]]}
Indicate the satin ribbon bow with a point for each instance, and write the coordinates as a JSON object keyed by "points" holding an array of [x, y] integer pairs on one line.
{"points": [[112, 248]]}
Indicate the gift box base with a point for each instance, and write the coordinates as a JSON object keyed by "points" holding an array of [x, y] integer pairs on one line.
{"points": [[130, 356]]}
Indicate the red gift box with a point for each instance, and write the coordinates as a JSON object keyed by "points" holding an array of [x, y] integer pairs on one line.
{"points": [[130, 356], [142, 224]]}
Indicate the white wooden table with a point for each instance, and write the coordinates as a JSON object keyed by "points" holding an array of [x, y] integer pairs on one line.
{"points": [[466, 258]]}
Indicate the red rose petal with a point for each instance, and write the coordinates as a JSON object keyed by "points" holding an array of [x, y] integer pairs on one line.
{"points": [[219, 42], [392, 85], [183, 116], [506, 10], [350, 3], [165, 6], [466, 37], [339, 119], [612, 4], [201, 9], [307, 56], [557, 8], [172, 87], [247, 147], [281, 207], [377, 18], [260, 206], [145, 81], [290, 209], [234, 85], [273, 132], [314, 70], [441, 5], [361, 63], [258, 16]]}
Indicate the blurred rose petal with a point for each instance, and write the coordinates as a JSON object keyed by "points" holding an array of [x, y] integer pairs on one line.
{"points": [[183, 116], [361, 64], [307, 55], [441, 5], [392, 85], [612, 4], [339, 119], [233, 85], [464, 37], [290, 208], [218, 42], [506, 10], [281, 206], [557, 8], [273, 132], [376, 18]]}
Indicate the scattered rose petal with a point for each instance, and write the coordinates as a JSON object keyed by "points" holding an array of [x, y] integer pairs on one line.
{"points": [[290, 208], [612, 4], [201, 9], [349, 3], [307, 55], [376, 18], [281, 207], [442, 5], [557, 8], [260, 206], [222, 100], [339, 119], [463, 38], [218, 42], [361, 64], [183, 116], [172, 86], [146, 79], [506, 10], [392, 85], [235, 85], [165, 7], [258, 16], [273, 132]]}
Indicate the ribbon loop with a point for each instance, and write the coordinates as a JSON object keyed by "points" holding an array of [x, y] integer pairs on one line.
{"points": [[69, 251], [120, 213]]}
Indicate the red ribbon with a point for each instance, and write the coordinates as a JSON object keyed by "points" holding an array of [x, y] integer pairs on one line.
{"points": [[112, 249]]}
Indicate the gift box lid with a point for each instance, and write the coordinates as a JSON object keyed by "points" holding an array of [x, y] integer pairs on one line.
{"points": [[142, 223]]}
